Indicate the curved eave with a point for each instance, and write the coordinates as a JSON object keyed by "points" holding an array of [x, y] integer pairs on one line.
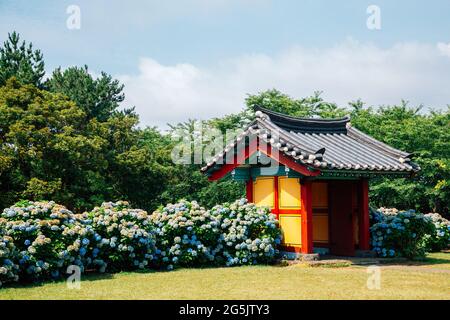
{"points": [[305, 124]]}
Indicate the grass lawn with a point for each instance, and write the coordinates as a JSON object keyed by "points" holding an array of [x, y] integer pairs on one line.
{"points": [[429, 279]]}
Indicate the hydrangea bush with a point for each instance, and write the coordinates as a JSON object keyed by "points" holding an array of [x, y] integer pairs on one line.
{"points": [[249, 234], [440, 238], [229, 234], [399, 233], [8, 255], [186, 234], [48, 237], [123, 238], [39, 240]]}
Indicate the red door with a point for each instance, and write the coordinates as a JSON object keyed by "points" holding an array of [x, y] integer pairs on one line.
{"points": [[341, 220]]}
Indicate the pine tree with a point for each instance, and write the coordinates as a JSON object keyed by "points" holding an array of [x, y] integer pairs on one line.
{"points": [[21, 61], [99, 97]]}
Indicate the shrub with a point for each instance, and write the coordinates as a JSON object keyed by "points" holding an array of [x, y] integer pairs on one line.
{"points": [[8, 257], [48, 236], [187, 234], [230, 234], [123, 238], [440, 238], [40, 240], [395, 233], [250, 234]]}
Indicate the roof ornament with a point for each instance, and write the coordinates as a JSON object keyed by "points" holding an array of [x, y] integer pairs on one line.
{"points": [[404, 160], [319, 153], [259, 114]]}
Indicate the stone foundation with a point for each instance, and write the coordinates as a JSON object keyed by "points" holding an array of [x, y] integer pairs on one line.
{"points": [[300, 256], [365, 254]]}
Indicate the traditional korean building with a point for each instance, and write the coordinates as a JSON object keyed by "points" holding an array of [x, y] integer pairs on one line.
{"points": [[313, 174]]}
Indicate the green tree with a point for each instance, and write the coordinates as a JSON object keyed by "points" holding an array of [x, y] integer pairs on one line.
{"points": [[21, 61], [140, 165], [49, 150], [99, 97], [44, 139]]}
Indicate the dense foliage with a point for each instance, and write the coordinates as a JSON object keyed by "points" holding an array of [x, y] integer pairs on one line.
{"points": [[407, 233], [39, 240], [49, 150]]}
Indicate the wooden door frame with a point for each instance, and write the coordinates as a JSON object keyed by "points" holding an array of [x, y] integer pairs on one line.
{"points": [[333, 183]]}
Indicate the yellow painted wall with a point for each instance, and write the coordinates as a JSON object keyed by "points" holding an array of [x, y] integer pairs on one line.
{"points": [[288, 193], [291, 228], [263, 191]]}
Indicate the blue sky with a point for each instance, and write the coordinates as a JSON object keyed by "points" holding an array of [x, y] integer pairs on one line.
{"points": [[199, 58]]}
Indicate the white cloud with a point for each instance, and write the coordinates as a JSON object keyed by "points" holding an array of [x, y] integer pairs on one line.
{"points": [[415, 72], [444, 48]]}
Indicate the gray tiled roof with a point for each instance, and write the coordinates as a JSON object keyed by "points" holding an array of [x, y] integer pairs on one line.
{"points": [[331, 144]]}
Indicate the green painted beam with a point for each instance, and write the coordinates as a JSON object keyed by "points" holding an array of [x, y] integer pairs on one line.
{"points": [[274, 171], [254, 171], [244, 173]]}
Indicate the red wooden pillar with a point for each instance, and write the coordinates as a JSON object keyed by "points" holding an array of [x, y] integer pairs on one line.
{"points": [[364, 234], [276, 205], [306, 212], [249, 189]]}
